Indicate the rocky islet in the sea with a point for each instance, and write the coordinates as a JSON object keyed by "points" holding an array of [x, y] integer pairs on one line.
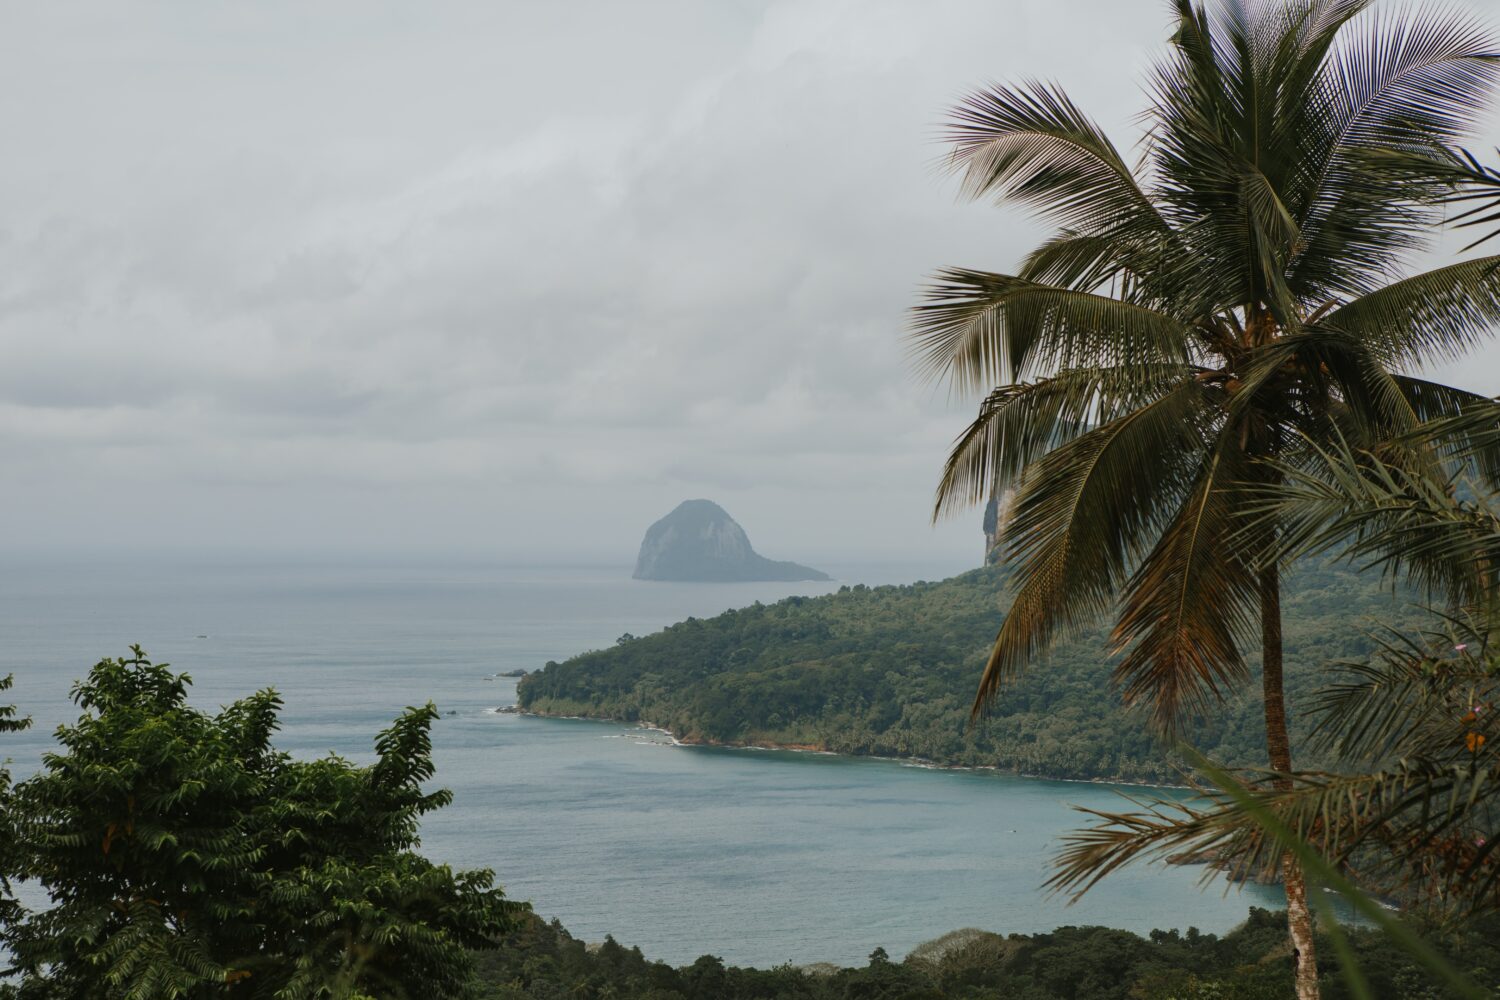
{"points": [[699, 542]]}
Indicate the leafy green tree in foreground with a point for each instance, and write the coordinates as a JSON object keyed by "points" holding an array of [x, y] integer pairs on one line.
{"points": [[183, 856], [1192, 326], [8, 724]]}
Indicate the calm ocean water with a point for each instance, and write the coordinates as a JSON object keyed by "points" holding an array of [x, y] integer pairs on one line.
{"points": [[760, 857]]}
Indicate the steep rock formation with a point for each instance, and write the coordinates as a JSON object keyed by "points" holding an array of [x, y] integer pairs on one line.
{"points": [[700, 542]]}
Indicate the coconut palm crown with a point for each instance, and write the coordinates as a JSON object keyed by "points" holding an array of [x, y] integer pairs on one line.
{"points": [[1204, 318], [1237, 296]]}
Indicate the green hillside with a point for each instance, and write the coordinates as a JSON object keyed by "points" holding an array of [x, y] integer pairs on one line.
{"points": [[542, 961], [891, 671]]}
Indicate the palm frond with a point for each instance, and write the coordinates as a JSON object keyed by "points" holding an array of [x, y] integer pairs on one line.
{"points": [[1031, 144], [1412, 78], [1017, 424], [1423, 715], [1275, 236], [1476, 186], [1386, 513], [1439, 314], [1197, 107], [1413, 82], [1239, 813], [981, 329], [1463, 427], [1430, 818], [1474, 428], [1083, 513], [1091, 261], [1192, 599], [1403, 700], [1380, 410], [1304, 34]]}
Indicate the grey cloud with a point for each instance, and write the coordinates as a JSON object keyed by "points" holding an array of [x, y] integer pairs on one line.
{"points": [[476, 268]]}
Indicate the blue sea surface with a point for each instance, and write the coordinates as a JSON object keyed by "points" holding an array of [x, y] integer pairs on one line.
{"points": [[760, 857]]}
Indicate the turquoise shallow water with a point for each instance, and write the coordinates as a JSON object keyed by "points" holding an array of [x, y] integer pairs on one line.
{"points": [[760, 857]]}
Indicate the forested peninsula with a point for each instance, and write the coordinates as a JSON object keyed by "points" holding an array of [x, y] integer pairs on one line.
{"points": [[891, 671]]}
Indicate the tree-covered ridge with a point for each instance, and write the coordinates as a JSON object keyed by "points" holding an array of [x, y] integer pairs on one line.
{"points": [[542, 961], [891, 671]]}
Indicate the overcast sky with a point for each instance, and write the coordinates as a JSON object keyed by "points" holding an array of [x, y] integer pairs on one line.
{"points": [[499, 277]]}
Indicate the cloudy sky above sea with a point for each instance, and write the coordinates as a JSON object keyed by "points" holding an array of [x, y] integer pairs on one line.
{"points": [[510, 279]]}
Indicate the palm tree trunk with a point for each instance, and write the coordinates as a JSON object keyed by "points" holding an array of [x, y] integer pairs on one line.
{"points": [[1278, 747]]}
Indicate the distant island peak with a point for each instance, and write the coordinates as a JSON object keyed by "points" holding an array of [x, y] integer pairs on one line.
{"points": [[699, 542]]}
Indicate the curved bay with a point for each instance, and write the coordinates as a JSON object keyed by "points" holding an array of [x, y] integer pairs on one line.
{"points": [[760, 857]]}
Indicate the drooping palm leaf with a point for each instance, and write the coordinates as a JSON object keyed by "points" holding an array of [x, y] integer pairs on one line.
{"points": [[1190, 604], [1119, 262], [1405, 698], [1018, 424], [1386, 515], [1474, 444], [1242, 807], [1084, 513], [1440, 314], [1428, 814]]}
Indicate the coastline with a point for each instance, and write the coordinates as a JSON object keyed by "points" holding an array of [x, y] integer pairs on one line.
{"points": [[1180, 860], [813, 748], [1189, 860]]}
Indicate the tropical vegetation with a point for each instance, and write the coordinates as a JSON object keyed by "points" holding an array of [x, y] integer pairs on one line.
{"points": [[541, 961], [1205, 319], [1413, 803], [9, 723], [889, 671], [1199, 389], [181, 855]]}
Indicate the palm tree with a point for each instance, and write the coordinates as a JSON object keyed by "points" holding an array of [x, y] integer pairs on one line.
{"points": [[1415, 727], [1194, 323]]}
